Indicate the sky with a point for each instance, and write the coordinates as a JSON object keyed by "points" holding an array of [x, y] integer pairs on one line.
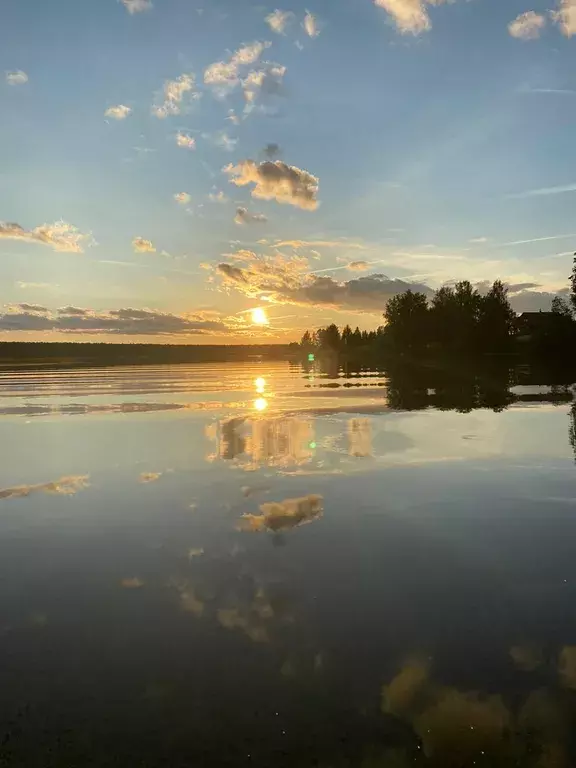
{"points": [[170, 166]]}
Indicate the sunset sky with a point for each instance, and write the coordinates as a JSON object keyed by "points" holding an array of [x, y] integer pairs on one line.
{"points": [[168, 167]]}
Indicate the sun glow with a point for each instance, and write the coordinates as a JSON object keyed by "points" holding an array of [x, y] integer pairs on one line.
{"points": [[260, 404], [259, 316]]}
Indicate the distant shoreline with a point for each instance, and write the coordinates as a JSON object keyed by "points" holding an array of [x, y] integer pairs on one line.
{"points": [[16, 355]]}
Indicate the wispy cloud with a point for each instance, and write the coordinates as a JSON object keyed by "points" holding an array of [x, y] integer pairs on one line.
{"points": [[221, 140], [276, 181], [182, 197], [185, 141], [223, 76], [65, 486], [478, 240], [119, 112], [310, 25], [141, 245], [137, 6], [536, 240], [61, 236], [527, 26], [543, 192], [217, 197], [17, 77], [279, 20], [174, 93], [243, 216]]}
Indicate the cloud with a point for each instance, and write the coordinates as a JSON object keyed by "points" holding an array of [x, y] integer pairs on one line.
{"points": [[288, 281], [310, 25], [527, 26], [478, 240], [71, 311], [17, 77], [174, 93], [185, 141], [543, 191], [119, 112], [32, 308], [565, 17], [217, 197], [410, 16], [297, 244], [182, 197], [141, 245], [224, 76], [150, 477], [279, 20], [275, 180], [60, 236], [221, 140], [284, 515], [264, 82], [536, 240], [137, 6], [358, 266], [125, 321], [65, 486], [271, 151], [243, 216]]}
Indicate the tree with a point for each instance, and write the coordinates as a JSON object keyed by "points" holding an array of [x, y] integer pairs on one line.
{"points": [[572, 279], [346, 337], [497, 319], [329, 338], [307, 342], [407, 318], [561, 307]]}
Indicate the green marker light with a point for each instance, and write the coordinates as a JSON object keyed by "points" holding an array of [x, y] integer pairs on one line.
{"points": [[311, 357], [312, 445]]}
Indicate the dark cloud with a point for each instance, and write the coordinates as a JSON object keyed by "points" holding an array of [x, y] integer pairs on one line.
{"points": [[271, 151], [32, 308], [243, 216], [285, 282], [118, 321]]}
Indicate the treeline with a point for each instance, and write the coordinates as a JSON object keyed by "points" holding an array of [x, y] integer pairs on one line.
{"points": [[15, 354], [456, 319]]}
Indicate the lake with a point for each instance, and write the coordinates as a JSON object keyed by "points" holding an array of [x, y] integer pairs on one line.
{"points": [[262, 564]]}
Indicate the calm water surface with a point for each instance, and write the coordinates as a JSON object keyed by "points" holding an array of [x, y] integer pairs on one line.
{"points": [[264, 566]]}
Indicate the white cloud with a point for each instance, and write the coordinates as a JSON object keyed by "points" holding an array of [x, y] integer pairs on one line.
{"points": [[478, 240], [542, 192], [137, 6], [217, 197], [174, 93], [141, 245], [119, 112], [224, 76], [182, 197], [61, 236], [278, 21], [310, 25], [16, 78], [527, 26], [565, 17], [276, 181], [243, 216], [410, 16], [185, 141], [266, 81]]}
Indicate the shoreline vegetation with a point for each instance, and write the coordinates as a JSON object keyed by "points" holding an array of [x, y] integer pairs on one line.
{"points": [[457, 322]]}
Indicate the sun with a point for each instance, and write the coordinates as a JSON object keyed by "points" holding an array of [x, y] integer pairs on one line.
{"points": [[259, 316]]}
